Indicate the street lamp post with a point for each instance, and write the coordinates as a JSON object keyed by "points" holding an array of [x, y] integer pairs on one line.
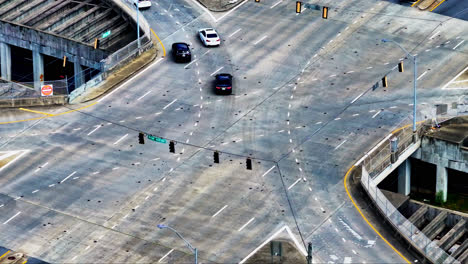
{"points": [[413, 57], [193, 249]]}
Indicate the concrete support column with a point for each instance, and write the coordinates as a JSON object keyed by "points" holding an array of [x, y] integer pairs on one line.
{"points": [[442, 181], [38, 67], [79, 74], [5, 57], [404, 177]]}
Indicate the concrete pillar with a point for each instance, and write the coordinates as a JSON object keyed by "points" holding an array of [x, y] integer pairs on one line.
{"points": [[38, 67], [78, 73], [5, 57], [442, 181], [404, 177]]}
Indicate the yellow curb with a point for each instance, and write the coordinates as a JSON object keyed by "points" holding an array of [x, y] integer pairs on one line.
{"points": [[4, 254], [415, 3], [437, 5], [367, 221], [46, 115], [164, 50], [33, 111]]}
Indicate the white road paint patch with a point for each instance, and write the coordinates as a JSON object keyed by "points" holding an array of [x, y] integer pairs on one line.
{"points": [[120, 139], [292, 185], [354, 252], [420, 76], [340, 145], [52, 185], [391, 107], [268, 171], [355, 114], [435, 34], [143, 95], [258, 41], [233, 33], [74, 178], [11, 218], [186, 66], [338, 118], [138, 117], [116, 168], [248, 222], [229, 12], [376, 114], [76, 129], [320, 122], [66, 178], [167, 254], [96, 172], [333, 75], [219, 211], [347, 260], [344, 240], [206, 52], [369, 68], [277, 3], [169, 104], [97, 127], [216, 71], [35, 191], [458, 44], [17, 198]]}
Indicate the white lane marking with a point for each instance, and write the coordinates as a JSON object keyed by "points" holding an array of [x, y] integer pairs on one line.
{"points": [[11, 218], [41, 167], [186, 66], [435, 34], [147, 197], [339, 146], [35, 191], [138, 117], [268, 171], [376, 114], [372, 111], [229, 12], [206, 52], [386, 63], [216, 71], [258, 41], [355, 114], [349, 72], [120, 139], [288, 230], [76, 129], [131, 79], [94, 130], [354, 252], [277, 3], [454, 78], [393, 107], [462, 81], [11, 162], [96, 172], [113, 226], [320, 122], [66, 178], [333, 75], [169, 104], [17, 198], [242, 227], [116, 168], [420, 76], [233, 33], [74, 257], [292, 185], [458, 44], [428, 50], [74, 178], [52, 185], [357, 97], [344, 240], [338, 118], [1, 205], [219, 211], [369, 68], [143, 95], [167, 254], [347, 260]]}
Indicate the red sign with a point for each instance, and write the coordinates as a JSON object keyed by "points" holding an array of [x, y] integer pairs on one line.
{"points": [[47, 90]]}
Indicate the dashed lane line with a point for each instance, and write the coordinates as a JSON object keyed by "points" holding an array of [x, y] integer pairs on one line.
{"points": [[120, 139], [11, 218], [219, 211], [246, 224]]}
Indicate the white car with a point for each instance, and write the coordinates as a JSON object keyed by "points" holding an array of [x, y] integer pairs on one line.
{"points": [[209, 37], [142, 3]]}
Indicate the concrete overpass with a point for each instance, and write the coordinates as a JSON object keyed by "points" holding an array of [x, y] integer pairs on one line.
{"points": [[62, 28]]}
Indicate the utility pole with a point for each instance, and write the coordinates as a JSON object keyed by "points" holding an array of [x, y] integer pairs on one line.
{"points": [[309, 253]]}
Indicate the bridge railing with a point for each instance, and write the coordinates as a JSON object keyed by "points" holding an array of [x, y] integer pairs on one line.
{"points": [[11, 90], [372, 165]]}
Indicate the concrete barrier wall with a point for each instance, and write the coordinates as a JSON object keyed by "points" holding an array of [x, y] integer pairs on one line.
{"points": [[133, 14], [34, 101]]}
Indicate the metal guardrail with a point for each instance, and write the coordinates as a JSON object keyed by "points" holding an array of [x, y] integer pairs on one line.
{"points": [[12, 90], [373, 165], [122, 54]]}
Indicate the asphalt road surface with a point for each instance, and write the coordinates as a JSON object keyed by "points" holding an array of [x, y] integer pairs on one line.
{"points": [[302, 108]]}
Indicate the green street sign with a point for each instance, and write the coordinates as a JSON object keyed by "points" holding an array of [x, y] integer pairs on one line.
{"points": [[106, 34], [157, 139]]}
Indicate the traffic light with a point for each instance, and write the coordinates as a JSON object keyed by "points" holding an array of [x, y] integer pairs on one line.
{"points": [[384, 81], [216, 157], [64, 61], [249, 163], [141, 138], [400, 67], [171, 147], [298, 6], [96, 43], [325, 12]]}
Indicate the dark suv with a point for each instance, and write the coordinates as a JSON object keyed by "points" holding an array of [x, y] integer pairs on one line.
{"points": [[223, 83], [181, 52]]}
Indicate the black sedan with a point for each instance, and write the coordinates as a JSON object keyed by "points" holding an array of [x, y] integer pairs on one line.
{"points": [[223, 83], [181, 52]]}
